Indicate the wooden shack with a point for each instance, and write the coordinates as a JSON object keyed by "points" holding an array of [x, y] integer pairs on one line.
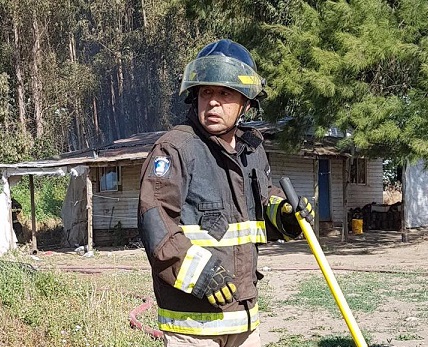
{"points": [[101, 204]]}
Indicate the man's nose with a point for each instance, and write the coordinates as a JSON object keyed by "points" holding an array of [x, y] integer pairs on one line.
{"points": [[214, 99]]}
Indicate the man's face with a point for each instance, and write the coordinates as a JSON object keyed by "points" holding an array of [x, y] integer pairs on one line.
{"points": [[218, 108]]}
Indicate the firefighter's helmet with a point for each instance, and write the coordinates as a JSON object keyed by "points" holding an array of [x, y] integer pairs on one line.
{"points": [[224, 63]]}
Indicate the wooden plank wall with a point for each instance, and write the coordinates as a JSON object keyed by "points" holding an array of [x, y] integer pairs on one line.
{"points": [[111, 207], [121, 206], [363, 194], [336, 190], [300, 170]]}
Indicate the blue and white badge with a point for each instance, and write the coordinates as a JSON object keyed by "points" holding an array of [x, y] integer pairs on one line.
{"points": [[161, 166]]}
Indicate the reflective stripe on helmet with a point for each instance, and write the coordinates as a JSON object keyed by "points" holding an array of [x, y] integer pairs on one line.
{"points": [[208, 323], [191, 268], [237, 234]]}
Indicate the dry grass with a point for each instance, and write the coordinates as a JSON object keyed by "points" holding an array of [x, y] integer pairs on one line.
{"points": [[391, 196], [55, 308]]}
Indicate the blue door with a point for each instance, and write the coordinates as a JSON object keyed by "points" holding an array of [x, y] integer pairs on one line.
{"points": [[324, 190]]}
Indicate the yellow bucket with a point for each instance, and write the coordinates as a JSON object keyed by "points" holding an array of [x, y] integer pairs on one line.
{"points": [[357, 226]]}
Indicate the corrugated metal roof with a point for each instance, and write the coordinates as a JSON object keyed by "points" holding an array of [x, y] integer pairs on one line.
{"points": [[135, 147], [138, 146]]}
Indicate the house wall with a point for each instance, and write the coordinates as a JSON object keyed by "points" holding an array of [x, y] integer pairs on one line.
{"points": [[109, 208], [336, 190], [360, 195], [298, 169], [301, 173]]}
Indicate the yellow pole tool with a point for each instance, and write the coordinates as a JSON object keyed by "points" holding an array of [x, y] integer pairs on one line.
{"points": [[292, 197]]}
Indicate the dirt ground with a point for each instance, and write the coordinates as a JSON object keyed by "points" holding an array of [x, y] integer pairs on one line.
{"points": [[284, 264], [376, 251]]}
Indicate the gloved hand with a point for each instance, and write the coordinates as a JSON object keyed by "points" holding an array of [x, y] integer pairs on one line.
{"points": [[220, 289], [304, 208]]}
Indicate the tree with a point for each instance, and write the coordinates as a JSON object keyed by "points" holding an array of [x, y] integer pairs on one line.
{"points": [[359, 65], [82, 73]]}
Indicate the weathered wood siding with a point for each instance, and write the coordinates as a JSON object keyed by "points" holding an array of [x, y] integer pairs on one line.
{"points": [[336, 190], [298, 169], [363, 194], [359, 195], [109, 208], [301, 172]]}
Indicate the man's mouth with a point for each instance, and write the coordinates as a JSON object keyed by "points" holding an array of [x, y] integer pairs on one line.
{"points": [[213, 117]]}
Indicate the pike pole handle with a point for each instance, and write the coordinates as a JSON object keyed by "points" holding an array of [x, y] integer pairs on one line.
{"points": [[292, 197]]}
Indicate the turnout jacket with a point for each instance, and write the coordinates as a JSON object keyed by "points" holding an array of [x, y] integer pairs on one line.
{"points": [[203, 204]]}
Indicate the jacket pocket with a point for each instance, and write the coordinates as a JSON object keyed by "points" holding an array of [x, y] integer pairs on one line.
{"points": [[215, 223], [213, 219], [246, 271]]}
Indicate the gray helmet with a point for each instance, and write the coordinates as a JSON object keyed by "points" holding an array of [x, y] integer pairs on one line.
{"points": [[224, 63]]}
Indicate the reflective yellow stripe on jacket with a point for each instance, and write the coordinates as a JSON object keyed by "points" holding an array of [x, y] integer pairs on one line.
{"points": [[193, 264], [272, 208], [208, 323], [237, 234]]}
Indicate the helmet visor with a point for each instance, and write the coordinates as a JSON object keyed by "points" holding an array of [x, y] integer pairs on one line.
{"points": [[217, 70]]}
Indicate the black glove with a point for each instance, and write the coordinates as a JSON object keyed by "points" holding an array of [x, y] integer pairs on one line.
{"points": [[304, 208], [287, 222], [220, 289]]}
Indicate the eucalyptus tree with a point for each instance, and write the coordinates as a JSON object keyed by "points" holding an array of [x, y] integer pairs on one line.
{"points": [[39, 76], [17, 68], [80, 73], [134, 48]]}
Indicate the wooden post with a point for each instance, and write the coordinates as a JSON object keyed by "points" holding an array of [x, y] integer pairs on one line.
{"points": [[33, 218], [89, 208], [403, 229], [345, 179], [316, 197], [6, 190]]}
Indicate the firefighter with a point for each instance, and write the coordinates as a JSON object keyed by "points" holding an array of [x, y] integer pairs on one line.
{"points": [[207, 202]]}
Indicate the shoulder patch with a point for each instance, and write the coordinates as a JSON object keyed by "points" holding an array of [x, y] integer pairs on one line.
{"points": [[161, 165]]}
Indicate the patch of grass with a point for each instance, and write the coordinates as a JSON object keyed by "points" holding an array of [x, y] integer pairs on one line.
{"points": [[364, 292], [409, 287], [49, 194], [314, 291], [265, 296], [300, 341], [44, 308], [408, 337]]}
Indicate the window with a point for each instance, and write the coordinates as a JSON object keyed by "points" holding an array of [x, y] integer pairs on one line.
{"points": [[359, 171], [109, 178]]}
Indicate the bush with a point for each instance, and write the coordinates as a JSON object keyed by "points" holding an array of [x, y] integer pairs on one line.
{"points": [[49, 194]]}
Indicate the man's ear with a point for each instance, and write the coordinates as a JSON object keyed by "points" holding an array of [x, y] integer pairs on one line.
{"points": [[247, 105], [192, 96]]}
